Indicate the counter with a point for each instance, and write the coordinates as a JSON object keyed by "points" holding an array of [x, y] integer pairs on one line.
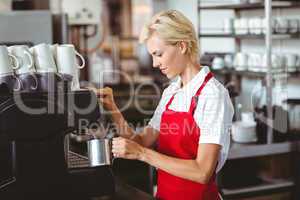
{"points": [[127, 192]]}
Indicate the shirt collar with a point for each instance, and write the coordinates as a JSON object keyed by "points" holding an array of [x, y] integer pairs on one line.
{"points": [[193, 84]]}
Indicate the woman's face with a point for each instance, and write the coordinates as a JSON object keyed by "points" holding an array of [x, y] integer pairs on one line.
{"points": [[170, 59]]}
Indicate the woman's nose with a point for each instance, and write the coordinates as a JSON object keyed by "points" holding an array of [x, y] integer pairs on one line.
{"points": [[155, 63]]}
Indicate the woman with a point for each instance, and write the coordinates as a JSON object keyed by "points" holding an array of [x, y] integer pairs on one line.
{"points": [[191, 123]]}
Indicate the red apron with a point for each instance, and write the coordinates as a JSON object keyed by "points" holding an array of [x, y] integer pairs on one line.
{"points": [[179, 137]]}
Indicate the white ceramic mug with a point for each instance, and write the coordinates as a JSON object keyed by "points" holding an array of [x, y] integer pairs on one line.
{"points": [[241, 26], [228, 26], [66, 59], [218, 63], [265, 24], [281, 25], [277, 62], [8, 62], [294, 25], [255, 25], [228, 59], [24, 57], [67, 63], [255, 62], [43, 58], [291, 61], [241, 61]]}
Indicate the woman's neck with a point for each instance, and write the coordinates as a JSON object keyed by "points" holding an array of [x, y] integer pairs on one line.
{"points": [[189, 72]]}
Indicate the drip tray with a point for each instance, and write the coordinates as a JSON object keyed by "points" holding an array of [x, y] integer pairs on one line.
{"points": [[76, 160]]}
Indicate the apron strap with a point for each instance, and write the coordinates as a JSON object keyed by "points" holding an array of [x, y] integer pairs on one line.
{"points": [[196, 96], [169, 102]]}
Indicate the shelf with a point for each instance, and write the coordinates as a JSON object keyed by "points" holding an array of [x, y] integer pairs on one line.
{"points": [[238, 150], [253, 74], [253, 6], [267, 186], [275, 36]]}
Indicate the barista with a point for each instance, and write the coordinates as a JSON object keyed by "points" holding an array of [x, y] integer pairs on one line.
{"points": [[191, 123]]}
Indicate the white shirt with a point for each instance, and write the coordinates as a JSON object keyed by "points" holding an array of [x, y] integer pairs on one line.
{"points": [[213, 113]]}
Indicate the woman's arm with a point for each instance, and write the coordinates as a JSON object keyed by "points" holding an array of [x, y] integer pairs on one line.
{"points": [[199, 170], [146, 138]]}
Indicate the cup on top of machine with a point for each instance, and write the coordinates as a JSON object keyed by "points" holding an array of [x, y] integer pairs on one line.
{"points": [[66, 62], [8, 64], [43, 58], [26, 70]]}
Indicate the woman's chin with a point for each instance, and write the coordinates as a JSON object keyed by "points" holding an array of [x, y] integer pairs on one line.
{"points": [[170, 76]]}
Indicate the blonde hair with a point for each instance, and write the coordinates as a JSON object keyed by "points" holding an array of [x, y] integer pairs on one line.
{"points": [[172, 27]]}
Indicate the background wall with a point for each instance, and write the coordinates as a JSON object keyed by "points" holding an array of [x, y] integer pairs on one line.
{"points": [[212, 21]]}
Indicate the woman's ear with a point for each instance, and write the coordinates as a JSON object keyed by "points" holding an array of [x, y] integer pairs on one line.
{"points": [[183, 47]]}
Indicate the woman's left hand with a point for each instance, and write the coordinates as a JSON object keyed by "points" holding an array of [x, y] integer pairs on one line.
{"points": [[126, 148]]}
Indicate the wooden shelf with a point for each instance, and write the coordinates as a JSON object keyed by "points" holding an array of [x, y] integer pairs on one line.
{"points": [[264, 187], [253, 6], [275, 36], [238, 150]]}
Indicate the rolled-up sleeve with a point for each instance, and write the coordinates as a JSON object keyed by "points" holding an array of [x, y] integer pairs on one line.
{"points": [[155, 120], [213, 115]]}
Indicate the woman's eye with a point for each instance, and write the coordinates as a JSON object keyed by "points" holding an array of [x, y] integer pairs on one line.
{"points": [[159, 54]]}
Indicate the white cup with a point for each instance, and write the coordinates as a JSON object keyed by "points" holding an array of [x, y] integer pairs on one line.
{"points": [[228, 59], [8, 62], [277, 62], [241, 26], [228, 25], [53, 49], [240, 61], [43, 58], [281, 25], [66, 59], [291, 60], [265, 24], [255, 62], [254, 26], [294, 25], [24, 57], [67, 63], [258, 25], [218, 63]]}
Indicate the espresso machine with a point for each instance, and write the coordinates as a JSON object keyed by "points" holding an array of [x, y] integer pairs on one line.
{"points": [[34, 160]]}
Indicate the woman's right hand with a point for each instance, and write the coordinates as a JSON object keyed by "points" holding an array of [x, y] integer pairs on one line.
{"points": [[106, 98]]}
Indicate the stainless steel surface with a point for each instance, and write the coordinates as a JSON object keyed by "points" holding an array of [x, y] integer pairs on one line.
{"points": [[60, 28], [278, 184], [238, 151], [268, 41], [16, 30], [99, 152]]}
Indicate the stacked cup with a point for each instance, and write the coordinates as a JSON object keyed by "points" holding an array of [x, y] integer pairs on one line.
{"points": [[8, 64], [65, 56], [26, 69], [40, 68]]}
